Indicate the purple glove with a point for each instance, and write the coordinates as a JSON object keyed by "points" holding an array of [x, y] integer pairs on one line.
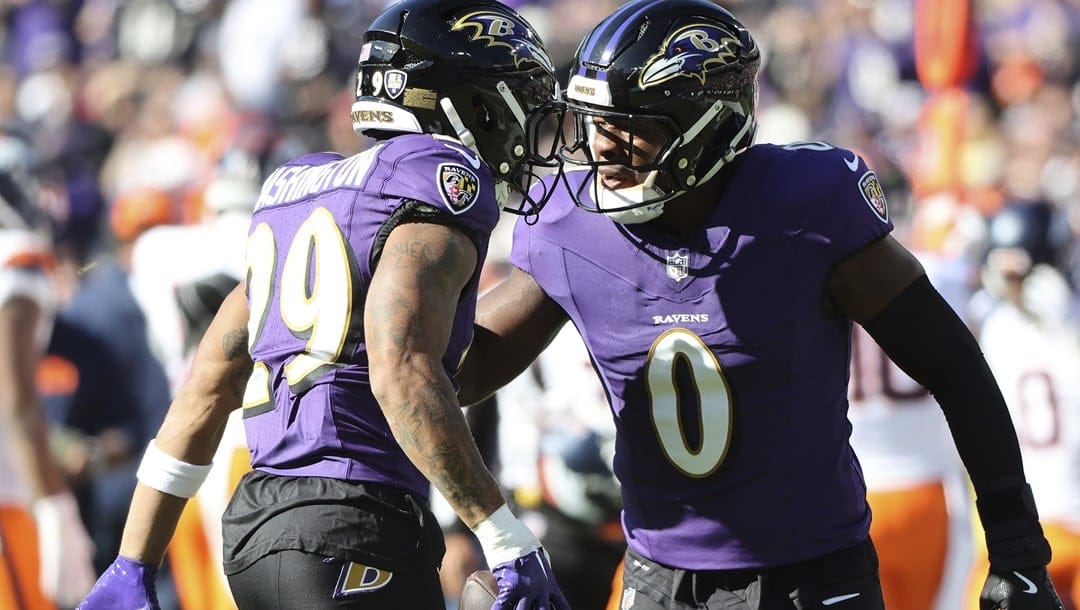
{"points": [[527, 583], [126, 585]]}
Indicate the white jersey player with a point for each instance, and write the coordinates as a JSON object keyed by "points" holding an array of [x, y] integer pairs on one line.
{"points": [[44, 548]]}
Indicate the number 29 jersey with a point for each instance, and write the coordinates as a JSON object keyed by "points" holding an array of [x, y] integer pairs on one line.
{"points": [[315, 237], [726, 377]]}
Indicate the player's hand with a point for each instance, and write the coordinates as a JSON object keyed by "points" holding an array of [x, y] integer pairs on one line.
{"points": [[65, 551], [518, 562], [127, 584], [1018, 550], [527, 583], [1028, 589]]}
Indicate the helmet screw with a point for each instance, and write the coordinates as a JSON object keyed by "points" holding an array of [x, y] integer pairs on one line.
{"points": [[683, 163], [504, 168], [519, 151], [691, 181]]}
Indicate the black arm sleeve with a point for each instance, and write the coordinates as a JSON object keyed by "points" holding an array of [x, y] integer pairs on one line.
{"points": [[925, 337]]}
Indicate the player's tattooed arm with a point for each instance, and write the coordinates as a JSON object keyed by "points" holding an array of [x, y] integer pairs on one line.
{"points": [[215, 386], [194, 425], [408, 317], [234, 346]]}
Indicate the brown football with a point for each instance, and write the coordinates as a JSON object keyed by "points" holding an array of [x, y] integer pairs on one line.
{"points": [[479, 591]]}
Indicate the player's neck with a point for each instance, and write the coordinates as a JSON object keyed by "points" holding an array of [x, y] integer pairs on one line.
{"points": [[688, 212], [684, 214]]}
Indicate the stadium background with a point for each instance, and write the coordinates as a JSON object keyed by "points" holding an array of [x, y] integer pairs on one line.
{"points": [[126, 112]]}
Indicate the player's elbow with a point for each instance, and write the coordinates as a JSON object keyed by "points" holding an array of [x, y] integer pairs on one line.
{"points": [[387, 372], [404, 379], [469, 392]]}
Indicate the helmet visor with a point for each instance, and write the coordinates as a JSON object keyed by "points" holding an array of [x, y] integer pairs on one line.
{"points": [[616, 141]]}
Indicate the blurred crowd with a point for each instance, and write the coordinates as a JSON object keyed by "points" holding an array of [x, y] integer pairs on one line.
{"points": [[143, 129]]}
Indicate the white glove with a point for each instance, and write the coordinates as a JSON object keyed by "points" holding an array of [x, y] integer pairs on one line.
{"points": [[65, 550]]}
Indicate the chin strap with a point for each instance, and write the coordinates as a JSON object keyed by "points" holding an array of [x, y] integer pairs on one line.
{"points": [[609, 201]]}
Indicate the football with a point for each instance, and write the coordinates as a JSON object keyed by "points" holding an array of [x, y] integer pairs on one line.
{"points": [[479, 591]]}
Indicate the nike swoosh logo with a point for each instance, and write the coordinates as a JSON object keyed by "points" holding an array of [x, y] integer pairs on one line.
{"points": [[829, 601], [474, 161], [1031, 588], [852, 163]]}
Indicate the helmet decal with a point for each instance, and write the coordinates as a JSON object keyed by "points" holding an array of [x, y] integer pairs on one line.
{"points": [[498, 30], [691, 51], [589, 90], [394, 82], [458, 185]]}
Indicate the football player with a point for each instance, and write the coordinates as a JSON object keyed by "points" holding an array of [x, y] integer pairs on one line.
{"points": [[715, 284], [357, 306], [1031, 338], [167, 287], [46, 556]]}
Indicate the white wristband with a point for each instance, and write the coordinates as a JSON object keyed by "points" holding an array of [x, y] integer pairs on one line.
{"points": [[169, 475], [504, 537]]}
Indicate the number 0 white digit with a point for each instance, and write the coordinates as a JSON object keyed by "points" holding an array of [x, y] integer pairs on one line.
{"points": [[714, 399]]}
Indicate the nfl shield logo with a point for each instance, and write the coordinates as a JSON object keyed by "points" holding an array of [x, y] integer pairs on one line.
{"points": [[678, 265], [394, 82]]}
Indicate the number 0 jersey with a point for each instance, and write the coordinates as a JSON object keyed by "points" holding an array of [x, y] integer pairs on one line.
{"points": [[315, 236], [727, 379]]}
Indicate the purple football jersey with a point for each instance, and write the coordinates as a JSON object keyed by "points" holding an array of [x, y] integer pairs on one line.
{"points": [[319, 221], [727, 378]]}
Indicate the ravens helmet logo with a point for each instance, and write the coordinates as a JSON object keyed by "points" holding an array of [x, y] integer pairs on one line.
{"points": [[497, 30], [690, 51]]}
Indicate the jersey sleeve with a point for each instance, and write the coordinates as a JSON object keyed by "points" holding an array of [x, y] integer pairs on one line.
{"points": [[519, 248], [852, 212], [539, 248], [440, 173]]}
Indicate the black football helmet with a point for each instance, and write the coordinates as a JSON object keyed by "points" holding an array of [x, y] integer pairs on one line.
{"points": [[473, 70], [1025, 234], [576, 476], [1029, 250], [682, 71]]}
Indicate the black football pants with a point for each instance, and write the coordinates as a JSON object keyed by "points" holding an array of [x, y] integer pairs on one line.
{"points": [[288, 580], [842, 580]]}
